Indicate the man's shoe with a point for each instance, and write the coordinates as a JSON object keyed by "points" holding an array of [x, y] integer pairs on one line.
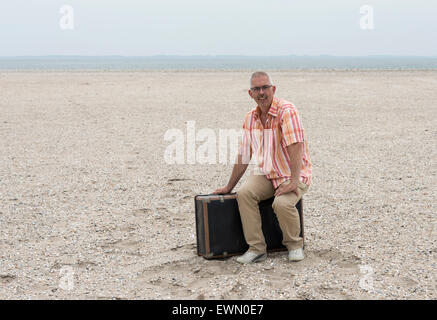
{"points": [[252, 257], [296, 255]]}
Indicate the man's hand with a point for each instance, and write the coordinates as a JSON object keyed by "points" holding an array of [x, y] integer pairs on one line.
{"points": [[286, 187], [224, 190]]}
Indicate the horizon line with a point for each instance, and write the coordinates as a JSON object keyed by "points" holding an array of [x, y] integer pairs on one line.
{"points": [[220, 55]]}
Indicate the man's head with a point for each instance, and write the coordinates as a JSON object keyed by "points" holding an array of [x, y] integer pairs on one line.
{"points": [[262, 89]]}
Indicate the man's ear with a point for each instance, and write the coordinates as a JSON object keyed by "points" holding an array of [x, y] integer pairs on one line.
{"points": [[274, 89], [250, 93]]}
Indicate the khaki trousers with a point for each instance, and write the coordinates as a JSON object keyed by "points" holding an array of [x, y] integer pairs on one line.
{"points": [[256, 189]]}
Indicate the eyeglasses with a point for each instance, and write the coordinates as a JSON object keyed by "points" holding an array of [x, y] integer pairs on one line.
{"points": [[257, 89]]}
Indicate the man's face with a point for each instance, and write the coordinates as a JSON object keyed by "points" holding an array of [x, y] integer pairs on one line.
{"points": [[262, 91]]}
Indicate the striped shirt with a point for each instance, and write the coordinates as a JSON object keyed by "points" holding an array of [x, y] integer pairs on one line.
{"points": [[268, 144]]}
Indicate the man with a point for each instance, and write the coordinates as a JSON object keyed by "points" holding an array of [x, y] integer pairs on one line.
{"points": [[274, 134]]}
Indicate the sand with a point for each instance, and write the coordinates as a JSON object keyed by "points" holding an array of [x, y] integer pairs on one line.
{"points": [[90, 210]]}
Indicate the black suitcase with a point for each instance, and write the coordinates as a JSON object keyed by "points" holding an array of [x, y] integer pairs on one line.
{"points": [[220, 233]]}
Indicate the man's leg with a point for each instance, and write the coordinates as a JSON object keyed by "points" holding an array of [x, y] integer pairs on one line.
{"points": [[254, 190], [288, 216]]}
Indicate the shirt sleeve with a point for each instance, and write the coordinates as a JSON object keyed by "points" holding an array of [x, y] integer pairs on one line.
{"points": [[291, 127]]}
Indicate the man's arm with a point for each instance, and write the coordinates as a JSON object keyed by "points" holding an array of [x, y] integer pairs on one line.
{"points": [[237, 172], [295, 155]]}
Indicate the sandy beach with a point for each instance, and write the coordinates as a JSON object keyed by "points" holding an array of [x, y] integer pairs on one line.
{"points": [[89, 209]]}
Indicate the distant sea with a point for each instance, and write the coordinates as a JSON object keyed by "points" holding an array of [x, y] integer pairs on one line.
{"points": [[216, 62]]}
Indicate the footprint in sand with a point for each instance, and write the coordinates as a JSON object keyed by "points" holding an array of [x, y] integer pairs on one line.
{"points": [[6, 278], [141, 212]]}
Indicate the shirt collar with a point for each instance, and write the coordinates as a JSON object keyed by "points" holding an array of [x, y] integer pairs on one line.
{"points": [[273, 110]]}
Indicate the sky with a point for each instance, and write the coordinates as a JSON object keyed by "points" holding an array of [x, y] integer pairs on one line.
{"points": [[218, 27]]}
